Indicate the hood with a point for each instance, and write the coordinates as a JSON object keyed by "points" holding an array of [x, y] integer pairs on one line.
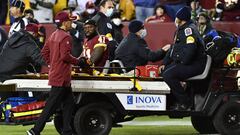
{"points": [[17, 40]]}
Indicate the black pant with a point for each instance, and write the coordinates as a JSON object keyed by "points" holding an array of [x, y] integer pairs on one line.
{"points": [[175, 73], [58, 96]]}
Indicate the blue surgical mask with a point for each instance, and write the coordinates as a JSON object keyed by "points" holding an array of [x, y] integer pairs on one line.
{"points": [[143, 33], [109, 12]]}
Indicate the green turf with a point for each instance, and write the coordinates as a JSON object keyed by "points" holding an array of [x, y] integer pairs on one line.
{"points": [[125, 130]]}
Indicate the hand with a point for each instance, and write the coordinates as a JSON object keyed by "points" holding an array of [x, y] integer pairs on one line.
{"points": [[83, 62], [166, 47], [161, 68]]}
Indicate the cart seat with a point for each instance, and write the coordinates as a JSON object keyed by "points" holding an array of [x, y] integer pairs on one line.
{"points": [[118, 64], [205, 72]]}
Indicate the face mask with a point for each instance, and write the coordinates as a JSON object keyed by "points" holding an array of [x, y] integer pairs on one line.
{"points": [[143, 33], [219, 10], [109, 12], [90, 11], [117, 21]]}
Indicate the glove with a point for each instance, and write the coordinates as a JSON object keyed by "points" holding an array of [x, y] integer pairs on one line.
{"points": [[84, 62]]}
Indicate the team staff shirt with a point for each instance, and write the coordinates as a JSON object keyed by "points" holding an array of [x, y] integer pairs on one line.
{"points": [[57, 54], [188, 46], [91, 44]]}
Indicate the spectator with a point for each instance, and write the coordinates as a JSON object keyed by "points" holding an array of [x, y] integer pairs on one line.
{"points": [[79, 5], [159, 15], [218, 13], [3, 11], [133, 50], [20, 50], [127, 9], [90, 11], [43, 10], [172, 6], [196, 9], [28, 14], [144, 8], [204, 24], [231, 10], [16, 10], [95, 45], [3, 38], [118, 26]]}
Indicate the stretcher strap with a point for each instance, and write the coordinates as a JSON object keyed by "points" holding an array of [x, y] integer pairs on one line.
{"points": [[137, 85]]}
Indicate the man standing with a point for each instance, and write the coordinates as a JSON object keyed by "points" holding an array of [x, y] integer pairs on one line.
{"points": [[16, 10], [105, 26], [185, 59], [133, 50], [57, 54]]}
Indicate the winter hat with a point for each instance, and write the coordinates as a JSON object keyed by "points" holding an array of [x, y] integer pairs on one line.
{"points": [[135, 26], [184, 14], [19, 4], [90, 22], [31, 27], [63, 16]]}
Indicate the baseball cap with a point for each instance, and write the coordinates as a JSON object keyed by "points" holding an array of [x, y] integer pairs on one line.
{"points": [[31, 27], [19, 4], [64, 16]]}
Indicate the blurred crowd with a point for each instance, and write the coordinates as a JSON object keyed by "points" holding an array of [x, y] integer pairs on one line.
{"points": [[125, 10]]}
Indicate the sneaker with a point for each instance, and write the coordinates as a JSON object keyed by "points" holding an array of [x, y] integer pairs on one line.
{"points": [[31, 132]]}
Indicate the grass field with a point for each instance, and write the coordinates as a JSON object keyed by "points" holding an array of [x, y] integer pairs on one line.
{"points": [[125, 130]]}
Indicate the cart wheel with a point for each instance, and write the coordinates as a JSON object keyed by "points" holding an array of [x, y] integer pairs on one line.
{"points": [[93, 120], [227, 119], [203, 124], [58, 123]]}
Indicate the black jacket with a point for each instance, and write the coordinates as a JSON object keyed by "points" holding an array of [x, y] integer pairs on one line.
{"points": [[188, 46], [19, 50], [104, 24], [133, 51], [3, 38]]}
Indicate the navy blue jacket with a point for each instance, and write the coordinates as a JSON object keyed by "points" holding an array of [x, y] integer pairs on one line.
{"points": [[133, 51], [188, 46]]}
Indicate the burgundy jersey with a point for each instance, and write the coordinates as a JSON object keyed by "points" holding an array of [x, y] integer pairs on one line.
{"points": [[97, 41]]}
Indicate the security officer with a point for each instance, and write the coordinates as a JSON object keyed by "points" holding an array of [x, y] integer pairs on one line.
{"points": [[133, 50], [105, 26], [185, 59]]}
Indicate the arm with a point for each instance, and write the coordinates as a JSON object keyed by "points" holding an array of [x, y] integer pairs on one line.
{"points": [[34, 52], [65, 52], [97, 54], [46, 53], [144, 52]]}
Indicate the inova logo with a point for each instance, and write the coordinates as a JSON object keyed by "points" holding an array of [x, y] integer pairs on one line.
{"points": [[129, 99], [148, 99]]}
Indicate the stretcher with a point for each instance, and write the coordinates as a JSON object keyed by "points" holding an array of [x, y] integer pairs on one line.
{"points": [[113, 84]]}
